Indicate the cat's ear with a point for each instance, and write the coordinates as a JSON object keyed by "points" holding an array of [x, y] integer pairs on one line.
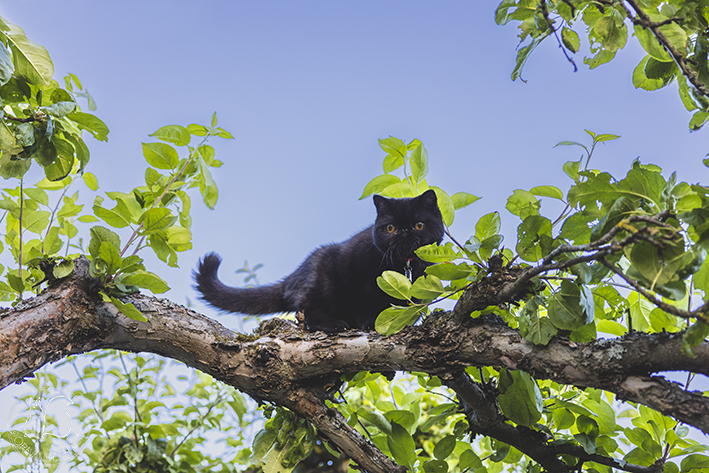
{"points": [[429, 198], [380, 202]]}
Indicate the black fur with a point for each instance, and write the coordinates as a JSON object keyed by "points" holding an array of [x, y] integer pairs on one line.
{"points": [[336, 286]]}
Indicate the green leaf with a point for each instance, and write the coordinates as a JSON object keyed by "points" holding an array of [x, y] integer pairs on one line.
{"points": [[37, 194], [174, 134], [566, 310], [435, 466], [129, 310], [676, 35], [523, 204], [570, 39], [393, 146], [402, 446], [520, 398], [109, 254], [605, 137], [450, 271], [197, 130], [445, 204], [463, 199], [90, 181], [685, 94], [426, 287], [695, 335], [502, 15], [20, 442], [571, 168], [98, 236], [548, 191], [90, 123], [158, 243], [36, 221], [393, 319], [156, 219], [161, 155], [599, 59], [63, 269], [655, 69], [32, 61], [145, 280], [611, 35], [651, 45], [698, 120], [444, 447], [207, 187], [487, 226], [378, 184], [522, 56], [538, 330], [434, 253], [117, 217], [469, 460], [16, 283], [12, 167], [60, 109], [61, 166], [394, 284], [612, 327], [534, 238], [7, 68], [419, 163], [695, 462], [179, 238]]}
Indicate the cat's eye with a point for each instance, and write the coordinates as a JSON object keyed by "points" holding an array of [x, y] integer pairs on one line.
{"points": [[391, 228], [419, 226]]}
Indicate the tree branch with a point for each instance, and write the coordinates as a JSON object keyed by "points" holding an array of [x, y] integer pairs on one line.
{"points": [[283, 361], [484, 417], [643, 19]]}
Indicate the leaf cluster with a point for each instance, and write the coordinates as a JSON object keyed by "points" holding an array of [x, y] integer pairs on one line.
{"points": [[131, 416], [671, 33]]}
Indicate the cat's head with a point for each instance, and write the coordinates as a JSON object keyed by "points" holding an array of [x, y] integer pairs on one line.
{"points": [[403, 225]]}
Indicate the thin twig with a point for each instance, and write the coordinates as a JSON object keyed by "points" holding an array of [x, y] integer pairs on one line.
{"points": [[550, 24]]}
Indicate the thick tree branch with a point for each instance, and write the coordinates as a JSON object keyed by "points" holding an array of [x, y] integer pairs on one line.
{"points": [[71, 318], [287, 366]]}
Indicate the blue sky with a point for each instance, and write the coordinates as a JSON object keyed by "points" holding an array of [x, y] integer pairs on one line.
{"points": [[307, 88]]}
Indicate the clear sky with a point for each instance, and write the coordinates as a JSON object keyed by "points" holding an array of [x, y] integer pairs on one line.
{"points": [[308, 87]]}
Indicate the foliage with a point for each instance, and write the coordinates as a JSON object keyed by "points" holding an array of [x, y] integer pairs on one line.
{"points": [[672, 33], [44, 123], [652, 229], [131, 414]]}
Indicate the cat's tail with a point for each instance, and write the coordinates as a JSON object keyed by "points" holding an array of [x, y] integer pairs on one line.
{"points": [[253, 301]]}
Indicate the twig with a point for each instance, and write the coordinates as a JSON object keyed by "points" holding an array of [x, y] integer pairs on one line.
{"points": [[670, 309], [550, 24]]}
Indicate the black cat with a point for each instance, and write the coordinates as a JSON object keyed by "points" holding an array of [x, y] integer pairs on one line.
{"points": [[336, 286]]}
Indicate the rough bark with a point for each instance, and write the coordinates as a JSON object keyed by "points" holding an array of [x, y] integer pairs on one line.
{"points": [[289, 367]]}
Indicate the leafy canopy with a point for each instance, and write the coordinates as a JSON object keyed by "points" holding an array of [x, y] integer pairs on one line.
{"points": [[626, 253]]}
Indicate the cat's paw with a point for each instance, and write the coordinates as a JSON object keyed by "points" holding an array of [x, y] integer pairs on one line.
{"points": [[329, 326]]}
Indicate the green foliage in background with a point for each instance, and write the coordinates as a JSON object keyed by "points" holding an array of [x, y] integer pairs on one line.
{"points": [[129, 413]]}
